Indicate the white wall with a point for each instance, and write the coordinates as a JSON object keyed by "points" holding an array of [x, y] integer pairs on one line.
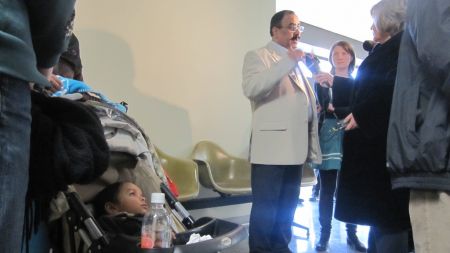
{"points": [[348, 17], [177, 64]]}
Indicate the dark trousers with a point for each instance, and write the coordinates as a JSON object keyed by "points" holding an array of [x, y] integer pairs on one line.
{"points": [[327, 189], [275, 191], [388, 241]]}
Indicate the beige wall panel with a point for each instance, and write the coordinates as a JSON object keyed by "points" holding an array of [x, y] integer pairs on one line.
{"points": [[177, 63]]}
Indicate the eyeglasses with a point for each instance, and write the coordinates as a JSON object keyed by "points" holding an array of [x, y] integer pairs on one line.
{"points": [[295, 27]]}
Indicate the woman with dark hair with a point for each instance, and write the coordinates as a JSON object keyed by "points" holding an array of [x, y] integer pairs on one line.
{"points": [[365, 195], [334, 91]]}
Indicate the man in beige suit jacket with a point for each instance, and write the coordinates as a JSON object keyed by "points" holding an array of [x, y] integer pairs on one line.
{"points": [[284, 133]]}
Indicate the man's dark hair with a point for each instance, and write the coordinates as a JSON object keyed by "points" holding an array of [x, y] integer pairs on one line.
{"points": [[276, 19]]}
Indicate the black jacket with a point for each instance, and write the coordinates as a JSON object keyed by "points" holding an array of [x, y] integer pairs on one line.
{"points": [[364, 193], [124, 233], [419, 128], [67, 145], [342, 90]]}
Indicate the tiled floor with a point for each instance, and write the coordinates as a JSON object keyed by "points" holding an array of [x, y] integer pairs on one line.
{"points": [[307, 214]]}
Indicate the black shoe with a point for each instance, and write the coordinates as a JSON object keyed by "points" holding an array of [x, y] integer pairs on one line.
{"points": [[354, 243], [322, 246]]}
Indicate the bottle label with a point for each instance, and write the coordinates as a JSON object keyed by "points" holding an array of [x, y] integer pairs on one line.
{"points": [[146, 242]]}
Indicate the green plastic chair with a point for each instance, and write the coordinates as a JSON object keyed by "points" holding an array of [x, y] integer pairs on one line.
{"points": [[183, 172], [220, 171]]}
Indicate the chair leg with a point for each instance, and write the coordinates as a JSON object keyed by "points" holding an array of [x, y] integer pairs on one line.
{"points": [[295, 224]]}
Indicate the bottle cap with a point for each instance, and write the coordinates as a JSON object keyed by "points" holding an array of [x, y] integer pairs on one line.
{"points": [[158, 198]]}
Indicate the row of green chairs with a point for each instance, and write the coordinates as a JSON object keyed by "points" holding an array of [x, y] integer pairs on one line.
{"points": [[210, 166], [217, 170], [213, 168]]}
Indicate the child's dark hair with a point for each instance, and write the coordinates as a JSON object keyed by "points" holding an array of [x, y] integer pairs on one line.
{"points": [[108, 194]]}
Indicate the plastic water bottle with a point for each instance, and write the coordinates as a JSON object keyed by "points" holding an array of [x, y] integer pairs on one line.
{"points": [[156, 231]]}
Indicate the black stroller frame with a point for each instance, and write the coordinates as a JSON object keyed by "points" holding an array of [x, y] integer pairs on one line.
{"points": [[81, 221]]}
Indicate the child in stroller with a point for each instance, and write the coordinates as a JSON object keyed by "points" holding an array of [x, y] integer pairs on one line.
{"points": [[120, 197], [121, 207]]}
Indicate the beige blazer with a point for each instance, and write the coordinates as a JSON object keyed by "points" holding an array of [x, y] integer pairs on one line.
{"points": [[281, 134]]}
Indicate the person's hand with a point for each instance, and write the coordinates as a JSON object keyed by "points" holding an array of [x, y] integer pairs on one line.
{"points": [[53, 79], [47, 72], [330, 107], [350, 122], [55, 82], [324, 79], [319, 108], [296, 54]]}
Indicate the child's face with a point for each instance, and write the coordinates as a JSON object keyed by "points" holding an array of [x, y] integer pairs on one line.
{"points": [[131, 199]]}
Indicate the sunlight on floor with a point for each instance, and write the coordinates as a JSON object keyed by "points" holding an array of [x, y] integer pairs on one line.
{"points": [[307, 215]]}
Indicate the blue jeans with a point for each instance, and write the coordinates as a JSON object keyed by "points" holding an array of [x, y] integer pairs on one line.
{"points": [[15, 127]]}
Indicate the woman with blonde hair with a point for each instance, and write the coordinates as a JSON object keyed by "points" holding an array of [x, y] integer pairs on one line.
{"points": [[365, 195]]}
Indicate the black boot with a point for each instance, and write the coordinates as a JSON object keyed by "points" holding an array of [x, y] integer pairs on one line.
{"points": [[322, 244], [354, 243]]}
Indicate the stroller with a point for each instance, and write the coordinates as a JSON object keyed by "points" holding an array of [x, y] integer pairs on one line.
{"points": [[132, 158]]}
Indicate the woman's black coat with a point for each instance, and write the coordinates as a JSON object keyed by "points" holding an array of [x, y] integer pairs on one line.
{"points": [[364, 194]]}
